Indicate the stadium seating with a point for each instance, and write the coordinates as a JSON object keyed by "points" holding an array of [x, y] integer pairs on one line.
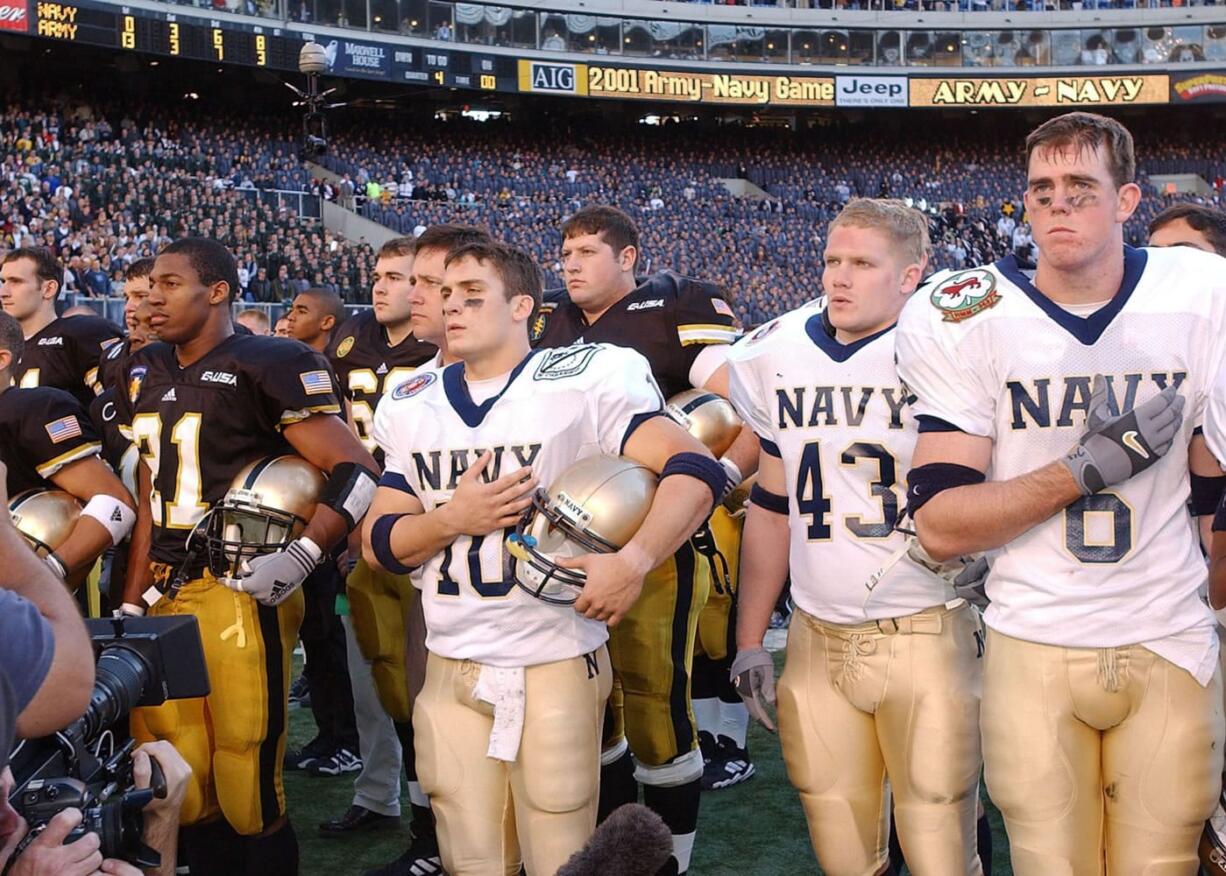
{"points": [[103, 189]]}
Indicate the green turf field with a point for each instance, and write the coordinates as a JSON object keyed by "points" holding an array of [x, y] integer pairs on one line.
{"points": [[752, 829]]}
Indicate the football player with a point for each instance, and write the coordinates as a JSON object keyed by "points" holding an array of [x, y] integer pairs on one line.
{"points": [[1102, 707], [520, 777], [314, 317], [135, 288], [48, 442], [202, 405], [112, 368], [255, 321], [880, 693], [60, 352], [1204, 228], [394, 608], [1193, 225], [118, 452], [370, 352], [683, 328]]}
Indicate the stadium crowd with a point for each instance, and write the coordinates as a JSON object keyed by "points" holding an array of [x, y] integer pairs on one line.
{"points": [[105, 185]]}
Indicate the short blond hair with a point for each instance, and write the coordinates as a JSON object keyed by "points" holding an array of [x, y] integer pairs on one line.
{"points": [[905, 226]]}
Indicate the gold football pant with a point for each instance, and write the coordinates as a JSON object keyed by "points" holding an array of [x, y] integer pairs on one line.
{"points": [[652, 653], [715, 638], [234, 738], [378, 605], [871, 707], [1100, 759], [543, 805]]}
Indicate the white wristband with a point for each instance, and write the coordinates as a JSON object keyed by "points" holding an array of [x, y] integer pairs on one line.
{"points": [[313, 549], [114, 515], [54, 564], [131, 608], [733, 470], [1220, 614]]}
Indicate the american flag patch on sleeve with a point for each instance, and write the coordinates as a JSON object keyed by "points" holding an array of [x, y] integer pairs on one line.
{"points": [[721, 306], [63, 429], [316, 382]]}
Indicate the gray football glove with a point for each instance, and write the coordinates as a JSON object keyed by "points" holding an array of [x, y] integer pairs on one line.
{"points": [[753, 673], [970, 582], [1114, 449], [271, 579]]}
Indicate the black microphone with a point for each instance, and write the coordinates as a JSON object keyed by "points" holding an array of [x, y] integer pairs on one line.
{"points": [[633, 841]]}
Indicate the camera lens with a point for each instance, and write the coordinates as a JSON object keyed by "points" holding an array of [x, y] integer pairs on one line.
{"points": [[121, 676]]}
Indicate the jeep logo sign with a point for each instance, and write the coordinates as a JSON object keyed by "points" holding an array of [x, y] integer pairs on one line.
{"points": [[551, 78], [870, 91]]}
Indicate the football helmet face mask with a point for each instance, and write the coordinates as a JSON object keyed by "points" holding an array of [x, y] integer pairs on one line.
{"points": [[267, 506], [45, 517], [594, 507], [709, 417]]}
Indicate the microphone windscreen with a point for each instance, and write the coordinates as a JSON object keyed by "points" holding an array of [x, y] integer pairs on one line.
{"points": [[633, 841]]}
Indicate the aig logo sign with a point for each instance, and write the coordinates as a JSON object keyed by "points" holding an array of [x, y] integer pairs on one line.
{"points": [[552, 78]]}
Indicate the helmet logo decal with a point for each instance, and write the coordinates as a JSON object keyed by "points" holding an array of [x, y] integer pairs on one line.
{"points": [[564, 362], [571, 510]]}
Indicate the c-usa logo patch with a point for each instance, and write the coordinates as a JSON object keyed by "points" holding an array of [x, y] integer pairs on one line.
{"points": [[413, 385]]}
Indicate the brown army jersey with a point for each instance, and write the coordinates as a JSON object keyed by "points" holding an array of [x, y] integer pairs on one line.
{"points": [[366, 366], [197, 427], [66, 355], [117, 450], [41, 430], [113, 367], [667, 318]]}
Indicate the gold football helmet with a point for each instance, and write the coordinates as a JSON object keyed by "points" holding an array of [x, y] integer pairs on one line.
{"points": [[45, 517], [709, 417], [267, 506], [594, 507]]}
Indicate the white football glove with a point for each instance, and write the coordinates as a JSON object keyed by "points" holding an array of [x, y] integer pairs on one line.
{"points": [[272, 578]]}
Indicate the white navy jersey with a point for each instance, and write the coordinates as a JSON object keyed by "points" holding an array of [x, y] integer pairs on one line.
{"points": [[837, 415], [986, 353], [556, 407]]}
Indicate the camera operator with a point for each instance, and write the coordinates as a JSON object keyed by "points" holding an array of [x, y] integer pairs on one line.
{"points": [[43, 688], [47, 856], [43, 643]]}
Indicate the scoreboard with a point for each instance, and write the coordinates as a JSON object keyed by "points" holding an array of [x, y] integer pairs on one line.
{"points": [[180, 34], [166, 34]]}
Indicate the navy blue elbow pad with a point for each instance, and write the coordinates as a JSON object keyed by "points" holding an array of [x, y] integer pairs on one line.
{"points": [[1206, 494], [772, 502], [925, 482]]}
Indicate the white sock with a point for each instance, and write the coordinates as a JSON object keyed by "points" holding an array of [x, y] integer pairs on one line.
{"points": [[733, 722], [417, 796], [683, 847], [707, 715]]}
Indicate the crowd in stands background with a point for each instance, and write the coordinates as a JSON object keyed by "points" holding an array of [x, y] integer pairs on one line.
{"points": [[104, 187]]}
